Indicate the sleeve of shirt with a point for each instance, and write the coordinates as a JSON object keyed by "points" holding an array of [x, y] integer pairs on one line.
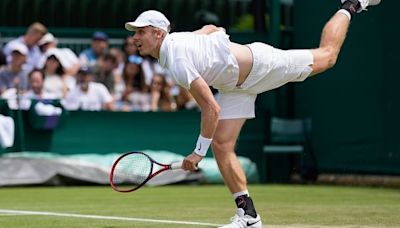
{"points": [[71, 100], [185, 73]]}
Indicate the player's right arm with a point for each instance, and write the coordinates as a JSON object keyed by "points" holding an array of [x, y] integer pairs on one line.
{"points": [[209, 120], [209, 107]]}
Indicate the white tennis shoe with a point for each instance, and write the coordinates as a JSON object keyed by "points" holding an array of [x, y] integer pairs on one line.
{"points": [[241, 220], [365, 4]]}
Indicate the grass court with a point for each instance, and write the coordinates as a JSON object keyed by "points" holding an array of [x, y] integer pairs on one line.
{"points": [[197, 206]]}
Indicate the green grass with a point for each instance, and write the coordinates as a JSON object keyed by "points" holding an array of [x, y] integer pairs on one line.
{"points": [[291, 205]]}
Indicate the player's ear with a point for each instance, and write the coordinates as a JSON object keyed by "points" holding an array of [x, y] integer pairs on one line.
{"points": [[160, 33]]}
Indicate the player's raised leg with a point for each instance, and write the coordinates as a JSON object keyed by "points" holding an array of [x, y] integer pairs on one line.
{"points": [[223, 147], [334, 34]]}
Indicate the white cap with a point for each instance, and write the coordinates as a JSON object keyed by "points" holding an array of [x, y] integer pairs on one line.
{"points": [[19, 47], [149, 18], [48, 38], [58, 53]]}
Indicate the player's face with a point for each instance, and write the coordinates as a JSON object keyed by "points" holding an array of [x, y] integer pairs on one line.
{"points": [[147, 41]]}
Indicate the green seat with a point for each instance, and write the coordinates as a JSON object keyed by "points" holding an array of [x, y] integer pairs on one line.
{"points": [[289, 150]]}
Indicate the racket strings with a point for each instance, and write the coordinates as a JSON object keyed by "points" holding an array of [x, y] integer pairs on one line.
{"points": [[131, 171]]}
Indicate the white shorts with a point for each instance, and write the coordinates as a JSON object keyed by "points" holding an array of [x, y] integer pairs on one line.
{"points": [[272, 68]]}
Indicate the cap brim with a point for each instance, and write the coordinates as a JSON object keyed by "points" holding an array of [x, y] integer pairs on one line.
{"points": [[46, 41], [19, 51], [58, 54], [133, 26]]}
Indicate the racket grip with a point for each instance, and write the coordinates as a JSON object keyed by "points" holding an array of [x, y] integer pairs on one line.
{"points": [[176, 165]]}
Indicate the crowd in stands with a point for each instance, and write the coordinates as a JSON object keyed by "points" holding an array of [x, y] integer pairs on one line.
{"points": [[98, 78]]}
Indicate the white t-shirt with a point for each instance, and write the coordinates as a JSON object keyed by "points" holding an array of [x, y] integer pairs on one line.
{"points": [[189, 56], [92, 100], [54, 84]]}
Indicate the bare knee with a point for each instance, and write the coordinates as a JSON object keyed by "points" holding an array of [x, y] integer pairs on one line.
{"points": [[222, 146], [324, 59]]}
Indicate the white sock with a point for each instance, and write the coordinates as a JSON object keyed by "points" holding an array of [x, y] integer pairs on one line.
{"points": [[237, 194], [345, 12]]}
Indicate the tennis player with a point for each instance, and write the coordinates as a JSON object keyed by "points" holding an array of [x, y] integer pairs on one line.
{"points": [[207, 57]]}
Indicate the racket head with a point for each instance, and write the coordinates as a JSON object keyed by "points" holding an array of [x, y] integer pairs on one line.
{"points": [[131, 171]]}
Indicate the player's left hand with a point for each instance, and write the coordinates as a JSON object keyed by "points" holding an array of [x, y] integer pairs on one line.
{"points": [[191, 161]]}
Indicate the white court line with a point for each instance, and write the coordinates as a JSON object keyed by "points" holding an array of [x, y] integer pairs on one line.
{"points": [[17, 212], [10, 214]]}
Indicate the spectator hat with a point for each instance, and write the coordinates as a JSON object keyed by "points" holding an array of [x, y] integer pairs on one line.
{"points": [[58, 54], [149, 18], [19, 47], [48, 38], [85, 70], [100, 36]]}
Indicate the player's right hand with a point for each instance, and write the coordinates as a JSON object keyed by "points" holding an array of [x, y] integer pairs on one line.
{"points": [[191, 162]]}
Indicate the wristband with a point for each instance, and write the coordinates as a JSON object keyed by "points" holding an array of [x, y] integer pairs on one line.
{"points": [[202, 146]]}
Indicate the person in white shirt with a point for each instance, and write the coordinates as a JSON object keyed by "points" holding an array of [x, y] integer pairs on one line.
{"points": [[58, 78], [34, 33], [36, 84], [207, 57], [69, 60], [88, 95], [89, 56], [13, 75], [36, 92]]}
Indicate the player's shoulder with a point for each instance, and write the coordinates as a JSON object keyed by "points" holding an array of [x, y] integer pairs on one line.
{"points": [[181, 35], [180, 42]]}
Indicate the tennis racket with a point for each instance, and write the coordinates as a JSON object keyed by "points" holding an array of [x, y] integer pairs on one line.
{"points": [[133, 170]]}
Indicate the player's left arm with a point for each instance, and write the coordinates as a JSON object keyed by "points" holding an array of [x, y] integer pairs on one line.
{"points": [[209, 119], [208, 29]]}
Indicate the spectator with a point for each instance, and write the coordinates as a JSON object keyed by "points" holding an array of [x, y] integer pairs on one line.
{"points": [[54, 75], [34, 33], [99, 46], [47, 42], [13, 75], [161, 98], [104, 71], [88, 95], [120, 60], [135, 95], [68, 58], [129, 47], [36, 84]]}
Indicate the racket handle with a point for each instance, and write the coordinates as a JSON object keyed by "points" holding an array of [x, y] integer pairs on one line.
{"points": [[176, 165]]}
